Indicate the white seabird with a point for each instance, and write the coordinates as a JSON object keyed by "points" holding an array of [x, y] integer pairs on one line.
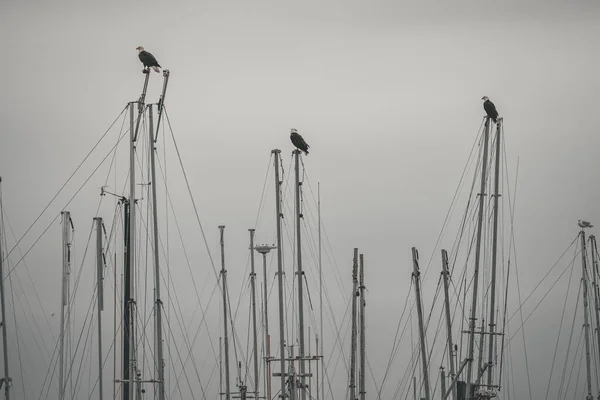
{"points": [[584, 224]]}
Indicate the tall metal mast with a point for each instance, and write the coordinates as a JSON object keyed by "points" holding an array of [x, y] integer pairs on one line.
{"points": [[594, 250], [6, 379], [300, 275], [278, 216], [416, 274], [126, 299], [253, 283], [131, 252], [353, 341], [361, 378], [451, 353], [159, 361], [473, 318], [320, 298], [100, 294], [492, 320], [66, 272], [264, 250], [586, 323], [225, 329]]}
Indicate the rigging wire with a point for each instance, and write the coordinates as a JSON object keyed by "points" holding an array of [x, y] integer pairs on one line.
{"points": [[63, 186]]}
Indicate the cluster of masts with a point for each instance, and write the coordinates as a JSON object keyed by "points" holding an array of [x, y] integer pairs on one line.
{"points": [[292, 382]]}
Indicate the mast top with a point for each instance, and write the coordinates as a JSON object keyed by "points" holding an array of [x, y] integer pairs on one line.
{"points": [[265, 248]]}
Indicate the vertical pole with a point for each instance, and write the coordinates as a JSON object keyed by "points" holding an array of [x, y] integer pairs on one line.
{"points": [[353, 341], [6, 378], [264, 250], [451, 353], [132, 203], [471, 348], [309, 363], [267, 338], [292, 376], [492, 320], [66, 271], [594, 250], [415, 274], [443, 380], [126, 299], [220, 367], [361, 378], [586, 323], [317, 367], [320, 298], [300, 275], [414, 387], [140, 104], [253, 282], [161, 101], [278, 217], [100, 293], [480, 366], [225, 329], [159, 362]]}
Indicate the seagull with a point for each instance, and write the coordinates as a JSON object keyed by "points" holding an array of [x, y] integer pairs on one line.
{"points": [[584, 224]]}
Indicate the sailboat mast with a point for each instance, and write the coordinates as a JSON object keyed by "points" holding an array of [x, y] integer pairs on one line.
{"points": [[131, 252], [66, 271], [225, 329], [126, 299], [300, 275], [361, 378], [159, 361], [253, 283], [320, 299], [353, 341], [278, 217], [594, 251], [586, 323], [6, 380], [451, 353], [492, 320], [100, 294], [264, 250], [471, 348], [416, 274]]}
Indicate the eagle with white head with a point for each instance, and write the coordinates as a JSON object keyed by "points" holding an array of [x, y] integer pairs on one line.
{"points": [[148, 60], [490, 108]]}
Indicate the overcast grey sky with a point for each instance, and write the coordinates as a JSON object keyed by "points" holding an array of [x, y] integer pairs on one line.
{"points": [[387, 93]]}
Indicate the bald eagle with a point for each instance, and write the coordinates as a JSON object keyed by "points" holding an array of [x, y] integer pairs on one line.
{"points": [[148, 60], [490, 108], [298, 141]]}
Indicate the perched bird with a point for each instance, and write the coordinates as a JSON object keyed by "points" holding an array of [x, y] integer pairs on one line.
{"points": [[298, 141], [148, 60], [584, 224], [490, 108]]}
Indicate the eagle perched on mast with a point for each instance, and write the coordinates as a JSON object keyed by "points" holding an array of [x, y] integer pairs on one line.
{"points": [[490, 108], [148, 60], [298, 141]]}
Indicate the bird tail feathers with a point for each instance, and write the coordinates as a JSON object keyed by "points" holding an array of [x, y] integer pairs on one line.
{"points": [[156, 69]]}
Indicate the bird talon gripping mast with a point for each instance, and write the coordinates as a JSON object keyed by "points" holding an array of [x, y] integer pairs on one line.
{"points": [[132, 380]]}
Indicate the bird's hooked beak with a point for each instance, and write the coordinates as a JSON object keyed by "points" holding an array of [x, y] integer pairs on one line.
{"points": [[484, 98], [139, 48]]}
